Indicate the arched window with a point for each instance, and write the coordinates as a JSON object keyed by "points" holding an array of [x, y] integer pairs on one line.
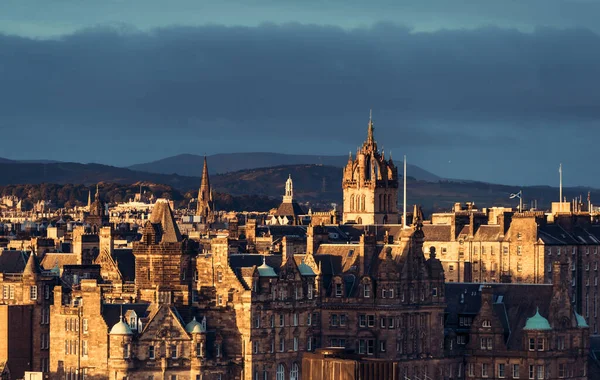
{"points": [[389, 203], [381, 201], [352, 202], [280, 371], [362, 203], [295, 372]]}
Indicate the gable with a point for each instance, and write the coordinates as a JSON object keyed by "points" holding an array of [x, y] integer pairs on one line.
{"points": [[108, 268], [165, 324]]}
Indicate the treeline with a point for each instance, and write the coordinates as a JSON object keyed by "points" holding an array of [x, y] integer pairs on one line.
{"points": [[70, 195]]}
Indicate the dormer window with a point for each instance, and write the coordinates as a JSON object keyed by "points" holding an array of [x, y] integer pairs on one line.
{"points": [[338, 290], [487, 323], [133, 322]]}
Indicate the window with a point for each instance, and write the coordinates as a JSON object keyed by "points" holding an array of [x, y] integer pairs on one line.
{"points": [[200, 349], [173, 351], [295, 372], [531, 371], [470, 369], [531, 344], [434, 292], [309, 319], [391, 322], [280, 372], [343, 320], [126, 350], [218, 350], [257, 321], [362, 321], [220, 300], [85, 325], [515, 371], [367, 291], [173, 377], [281, 320], [383, 293], [295, 343], [33, 292], [484, 370], [540, 371], [501, 370], [461, 339], [84, 347], [309, 344], [309, 292], [560, 344], [272, 320], [382, 345], [482, 342], [382, 322], [281, 345], [296, 318], [370, 346], [151, 352], [219, 276], [487, 323], [371, 320], [451, 268], [255, 347], [338, 290], [561, 370], [540, 344]]}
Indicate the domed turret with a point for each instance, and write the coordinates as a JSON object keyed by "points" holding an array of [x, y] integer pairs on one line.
{"points": [[266, 271], [121, 328], [537, 322], [190, 327]]}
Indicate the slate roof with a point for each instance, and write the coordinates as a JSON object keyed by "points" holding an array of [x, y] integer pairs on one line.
{"points": [[289, 209], [437, 232], [111, 312], [520, 302], [125, 262], [12, 261], [487, 233], [51, 260]]}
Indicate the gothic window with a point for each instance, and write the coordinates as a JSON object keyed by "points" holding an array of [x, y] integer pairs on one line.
{"points": [[295, 372], [352, 202], [280, 371], [362, 203]]}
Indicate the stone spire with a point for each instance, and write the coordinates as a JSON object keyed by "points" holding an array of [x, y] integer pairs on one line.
{"points": [[89, 205], [205, 206], [370, 138]]}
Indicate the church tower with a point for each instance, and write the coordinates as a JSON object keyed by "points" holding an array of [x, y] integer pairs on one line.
{"points": [[205, 200], [370, 185]]}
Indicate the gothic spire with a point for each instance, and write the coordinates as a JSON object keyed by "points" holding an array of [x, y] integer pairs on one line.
{"points": [[370, 138]]}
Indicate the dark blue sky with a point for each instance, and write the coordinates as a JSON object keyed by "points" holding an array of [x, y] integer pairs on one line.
{"points": [[500, 91]]}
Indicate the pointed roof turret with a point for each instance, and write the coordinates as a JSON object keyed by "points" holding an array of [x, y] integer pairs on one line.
{"points": [[31, 268], [205, 206], [162, 214]]}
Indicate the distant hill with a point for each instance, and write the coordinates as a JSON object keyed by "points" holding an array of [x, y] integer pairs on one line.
{"points": [[320, 185], [191, 165]]}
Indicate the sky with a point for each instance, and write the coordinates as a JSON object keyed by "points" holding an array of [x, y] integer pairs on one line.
{"points": [[499, 91]]}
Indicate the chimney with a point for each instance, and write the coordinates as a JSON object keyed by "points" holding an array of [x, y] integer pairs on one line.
{"points": [[487, 296], [471, 224], [558, 275], [501, 223]]}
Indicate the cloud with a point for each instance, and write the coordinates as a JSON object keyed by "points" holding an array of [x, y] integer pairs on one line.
{"points": [[296, 87]]}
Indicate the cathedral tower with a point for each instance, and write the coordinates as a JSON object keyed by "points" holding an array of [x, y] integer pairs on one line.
{"points": [[205, 200], [370, 185]]}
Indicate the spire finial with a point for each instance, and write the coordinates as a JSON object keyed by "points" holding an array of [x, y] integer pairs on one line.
{"points": [[370, 114]]}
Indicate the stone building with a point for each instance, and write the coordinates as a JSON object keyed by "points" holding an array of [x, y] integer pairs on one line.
{"points": [[25, 301], [370, 185], [289, 211], [96, 217]]}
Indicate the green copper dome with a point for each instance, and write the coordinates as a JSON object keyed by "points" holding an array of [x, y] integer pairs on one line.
{"points": [[537, 322], [190, 326], [121, 328], [266, 271], [580, 321]]}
